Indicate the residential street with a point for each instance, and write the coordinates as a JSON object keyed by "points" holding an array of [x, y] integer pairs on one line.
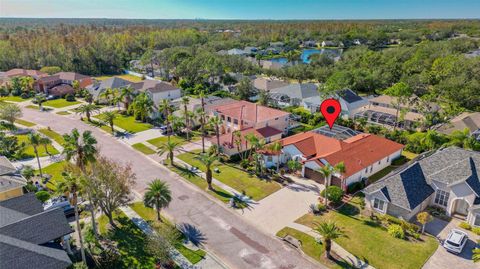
{"points": [[228, 235]]}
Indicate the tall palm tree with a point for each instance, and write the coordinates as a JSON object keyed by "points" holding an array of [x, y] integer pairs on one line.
{"points": [[185, 102], [87, 110], [202, 119], [208, 159], [166, 108], [35, 140], [157, 196], [216, 121], [142, 106], [329, 231], [40, 99], [108, 94], [71, 185], [327, 171], [110, 117], [169, 147], [45, 142], [276, 147], [237, 139], [82, 149], [27, 83], [127, 94]]}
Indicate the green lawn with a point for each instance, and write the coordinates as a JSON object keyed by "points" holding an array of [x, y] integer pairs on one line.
{"points": [[131, 242], [29, 153], [25, 123], [150, 216], [55, 170], [157, 142], [98, 124], [63, 113], [37, 108], [59, 103], [200, 182], [143, 149], [13, 99], [236, 178], [371, 242], [129, 77], [409, 155], [380, 174], [128, 123], [53, 135], [310, 247]]}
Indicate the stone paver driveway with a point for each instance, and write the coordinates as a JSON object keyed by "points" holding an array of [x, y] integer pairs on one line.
{"points": [[283, 207], [443, 259]]}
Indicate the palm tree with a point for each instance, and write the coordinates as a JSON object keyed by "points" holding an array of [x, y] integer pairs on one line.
{"points": [[108, 94], [110, 117], [82, 149], [327, 171], [237, 139], [40, 99], [87, 110], [276, 148], [169, 147], [329, 231], [70, 184], [476, 255], [208, 159], [157, 196], [142, 106], [127, 94], [166, 108], [45, 142], [35, 140], [27, 83], [185, 102], [216, 121], [202, 119]]}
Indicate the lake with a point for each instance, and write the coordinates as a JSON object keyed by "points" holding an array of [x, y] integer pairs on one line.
{"points": [[306, 53]]}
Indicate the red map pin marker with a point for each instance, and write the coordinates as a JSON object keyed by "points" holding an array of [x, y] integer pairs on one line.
{"points": [[330, 109]]}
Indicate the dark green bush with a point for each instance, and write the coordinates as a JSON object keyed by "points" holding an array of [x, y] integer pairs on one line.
{"points": [[356, 186], [70, 97], [334, 193], [43, 196]]}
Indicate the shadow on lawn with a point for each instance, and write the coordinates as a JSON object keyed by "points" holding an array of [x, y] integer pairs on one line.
{"points": [[192, 234]]}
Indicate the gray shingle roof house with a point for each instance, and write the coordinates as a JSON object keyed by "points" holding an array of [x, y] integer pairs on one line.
{"points": [[27, 234], [112, 83], [449, 178], [471, 121], [349, 101], [294, 93]]}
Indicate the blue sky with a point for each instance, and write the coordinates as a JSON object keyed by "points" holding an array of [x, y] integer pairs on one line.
{"points": [[242, 9]]}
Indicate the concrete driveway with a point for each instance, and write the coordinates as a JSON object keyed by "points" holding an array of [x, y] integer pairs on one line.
{"points": [[283, 207], [443, 259]]}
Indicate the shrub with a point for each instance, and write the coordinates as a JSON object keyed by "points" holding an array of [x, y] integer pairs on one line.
{"points": [[25, 95], [43, 196], [70, 97], [335, 194], [399, 161], [244, 163], [396, 231], [317, 208], [356, 186], [465, 226], [476, 230]]}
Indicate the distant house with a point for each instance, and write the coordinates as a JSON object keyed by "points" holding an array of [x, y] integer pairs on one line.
{"points": [[309, 43], [196, 104], [448, 178], [293, 94], [470, 121], [473, 54], [60, 84], [17, 72], [273, 65], [357, 42], [236, 51], [250, 50], [268, 84], [30, 236], [98, 88], [277, 44], [362, 154], [157, 90], [266, 123], [11, 182], [350, 102], [329, 43]]}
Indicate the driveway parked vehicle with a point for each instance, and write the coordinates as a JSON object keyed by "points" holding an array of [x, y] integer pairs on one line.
{"points": [[455, 241]]}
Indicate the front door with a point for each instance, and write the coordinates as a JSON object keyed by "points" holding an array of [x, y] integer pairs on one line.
{"points": [[461, 207]]}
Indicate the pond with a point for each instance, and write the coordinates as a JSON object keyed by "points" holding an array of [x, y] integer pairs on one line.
{"points": [[306, 53]]}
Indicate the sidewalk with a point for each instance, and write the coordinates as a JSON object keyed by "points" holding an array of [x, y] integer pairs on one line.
{"points": [[347, 256], [209, 262]]}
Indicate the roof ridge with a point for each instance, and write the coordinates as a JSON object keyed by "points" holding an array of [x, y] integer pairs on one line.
{"points": [[443, 169]]}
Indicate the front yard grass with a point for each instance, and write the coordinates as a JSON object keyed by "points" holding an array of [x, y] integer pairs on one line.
{"points": [[380, 174], [372, 243], [143, 149], [25, 123], [128, 123], [12, 98], [63, 113], [148, 214], [53, 135], [60, 103], [29, 152], [55, 171], [131, 242], [236, 178], [409, 155]]}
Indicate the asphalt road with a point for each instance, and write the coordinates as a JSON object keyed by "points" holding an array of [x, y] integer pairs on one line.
{"points": [[238, 243]]}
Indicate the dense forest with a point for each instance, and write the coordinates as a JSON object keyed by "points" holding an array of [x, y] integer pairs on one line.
{"points": [[429, 59]]}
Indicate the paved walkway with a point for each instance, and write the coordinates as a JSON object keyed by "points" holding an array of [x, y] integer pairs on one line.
{"points": [[208, 262], [347, 256], [143, 136], [443, 259]]}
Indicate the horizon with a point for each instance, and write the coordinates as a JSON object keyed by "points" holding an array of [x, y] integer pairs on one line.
{"points": [[247, 10]]}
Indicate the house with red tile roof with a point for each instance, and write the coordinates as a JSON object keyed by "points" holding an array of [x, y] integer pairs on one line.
{"points": [[18, 72], [60, 84], [362, 154], [246, 117]]}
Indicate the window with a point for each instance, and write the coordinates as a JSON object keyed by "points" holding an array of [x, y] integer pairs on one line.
{"points": [[477, 220], [379, 204], [371, 168], [379, 162], [269, 159], [235, 121], [366, 170], [388, 159], [441, 197]]}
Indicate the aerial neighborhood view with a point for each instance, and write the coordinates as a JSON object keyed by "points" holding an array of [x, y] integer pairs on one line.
{"points": [[265, 134]]}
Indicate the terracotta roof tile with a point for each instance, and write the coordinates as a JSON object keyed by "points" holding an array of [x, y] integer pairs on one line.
{"points": [[249, 111]]}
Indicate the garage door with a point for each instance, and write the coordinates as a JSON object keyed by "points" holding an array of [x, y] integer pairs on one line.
{"points": [[314, 175]]}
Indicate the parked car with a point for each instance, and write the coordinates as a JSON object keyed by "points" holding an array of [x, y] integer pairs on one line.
{"points": [[163, 129], [455, 241]]}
